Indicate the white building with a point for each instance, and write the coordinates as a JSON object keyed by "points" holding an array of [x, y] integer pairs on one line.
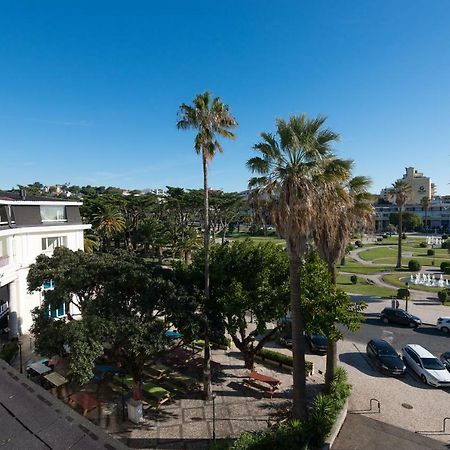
{"points": [[29, 227]]}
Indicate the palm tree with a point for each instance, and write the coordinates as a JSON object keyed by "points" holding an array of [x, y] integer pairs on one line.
{"points": [[344, 206], [108, 222], [425, 203], [212, 119], [400, 192], [291, 167]]}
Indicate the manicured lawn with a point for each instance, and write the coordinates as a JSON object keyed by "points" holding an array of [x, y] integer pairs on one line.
{"points": [[372, 254], [362, 287], [352, 266]]}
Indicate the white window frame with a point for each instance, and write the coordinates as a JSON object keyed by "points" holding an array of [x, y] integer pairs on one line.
{"points": [[60, 241]]}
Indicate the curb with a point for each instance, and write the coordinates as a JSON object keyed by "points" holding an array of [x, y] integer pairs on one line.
{"points": [[329, 441]]}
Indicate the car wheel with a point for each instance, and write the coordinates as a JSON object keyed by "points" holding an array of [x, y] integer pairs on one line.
{"points": [[385, 320], [444, 329], [423, 378]]}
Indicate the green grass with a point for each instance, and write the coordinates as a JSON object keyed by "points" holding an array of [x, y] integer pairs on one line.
{"points": [[362, 287], [352, 266], [372, 254]]}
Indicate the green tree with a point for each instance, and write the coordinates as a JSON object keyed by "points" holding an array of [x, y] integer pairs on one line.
{"points": [[108, 223], [345, 205], [425, 203], [410, 220], [212, 119], [291, 165], [400, 192]]}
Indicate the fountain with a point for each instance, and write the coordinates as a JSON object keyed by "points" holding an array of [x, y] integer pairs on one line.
{"points": [[428, 280]]}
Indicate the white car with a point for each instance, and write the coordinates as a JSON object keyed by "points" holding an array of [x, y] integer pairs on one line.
{"points": [[430, 370], [443, 324]]}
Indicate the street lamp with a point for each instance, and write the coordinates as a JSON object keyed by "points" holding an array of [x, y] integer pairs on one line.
{"points": [[407, 295], [19, 343], [214, 416]]}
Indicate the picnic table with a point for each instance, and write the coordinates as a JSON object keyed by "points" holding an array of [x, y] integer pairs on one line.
{"points": [[263, 383], [38, 368], [86, 401], [55, 379]]}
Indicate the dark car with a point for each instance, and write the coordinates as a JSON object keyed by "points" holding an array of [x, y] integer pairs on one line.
{"points": [[385, 358], [400, 316], [445, 359], [317, 343]]}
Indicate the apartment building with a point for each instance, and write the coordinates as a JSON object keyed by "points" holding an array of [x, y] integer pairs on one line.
{"points": [[29, 227]]}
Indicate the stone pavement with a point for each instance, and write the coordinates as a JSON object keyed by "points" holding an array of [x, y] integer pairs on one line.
{"points": [[361, 432], [190, 423]]}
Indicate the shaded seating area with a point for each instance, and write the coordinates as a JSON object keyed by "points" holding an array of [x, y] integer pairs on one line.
{"points": [[264, 384]]}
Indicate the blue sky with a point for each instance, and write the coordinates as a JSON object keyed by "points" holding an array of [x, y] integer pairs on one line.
{"points": [[89, 90]]}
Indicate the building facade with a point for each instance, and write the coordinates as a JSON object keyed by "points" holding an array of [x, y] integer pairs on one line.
{"points": [[28, 228], [435, 218]]}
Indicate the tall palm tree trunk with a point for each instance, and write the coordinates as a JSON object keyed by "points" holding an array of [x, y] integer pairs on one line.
{"points": [[331, 364], [400, 232], [426, 219], [298, 340], [207, 388]]}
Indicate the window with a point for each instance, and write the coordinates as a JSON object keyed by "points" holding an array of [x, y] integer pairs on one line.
{"points": [[53, 213], [3, 215], [48, 285], [58, 312], [50, 243]]}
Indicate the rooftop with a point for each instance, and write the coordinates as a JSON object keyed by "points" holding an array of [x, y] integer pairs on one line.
{"points": [[31, 418]]}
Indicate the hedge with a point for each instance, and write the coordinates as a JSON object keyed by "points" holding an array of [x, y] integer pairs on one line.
{"points": [[414, 265], [354, 279], [296, 434], [8, 351], [444, 237], [423, 245], [430, 252], [281, 358], [442, 295], [447, 271], [402, 293], [444, 264]]}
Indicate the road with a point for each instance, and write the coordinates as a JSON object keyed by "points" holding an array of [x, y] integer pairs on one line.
{"points": [[398, 336]]}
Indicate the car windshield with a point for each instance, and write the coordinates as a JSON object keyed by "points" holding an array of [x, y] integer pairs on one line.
{"points": [[432, 364]]}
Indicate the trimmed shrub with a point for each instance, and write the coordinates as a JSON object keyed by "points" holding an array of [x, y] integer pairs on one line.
{"points": [[445, 244], [414, 265], [423, 245], [444, 237], [443, 296], [403, 236], [354, 279], [447, 271], [8, 351], [430, 252], [359, 244], [403, 293], [444, 264], [282, 358]]}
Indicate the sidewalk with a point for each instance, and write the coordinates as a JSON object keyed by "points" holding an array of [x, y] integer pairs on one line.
{"points": [[361, 432]]}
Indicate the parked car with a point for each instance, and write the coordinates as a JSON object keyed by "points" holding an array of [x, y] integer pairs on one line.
{"points": [[445, 359], [285, 341], [443, 324], [317, 343], [429, 368], [400, 316], [385, 358]]}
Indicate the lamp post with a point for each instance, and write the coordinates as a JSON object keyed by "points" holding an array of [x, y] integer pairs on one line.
{"points": [[407, 295], [214, 416], [19, 343]]}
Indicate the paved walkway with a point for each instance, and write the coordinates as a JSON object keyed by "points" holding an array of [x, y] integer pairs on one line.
{"points": [[189, 423], [361, 432]]}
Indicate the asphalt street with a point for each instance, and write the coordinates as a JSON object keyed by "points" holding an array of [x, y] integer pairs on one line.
{"points": [[398, 336]]}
